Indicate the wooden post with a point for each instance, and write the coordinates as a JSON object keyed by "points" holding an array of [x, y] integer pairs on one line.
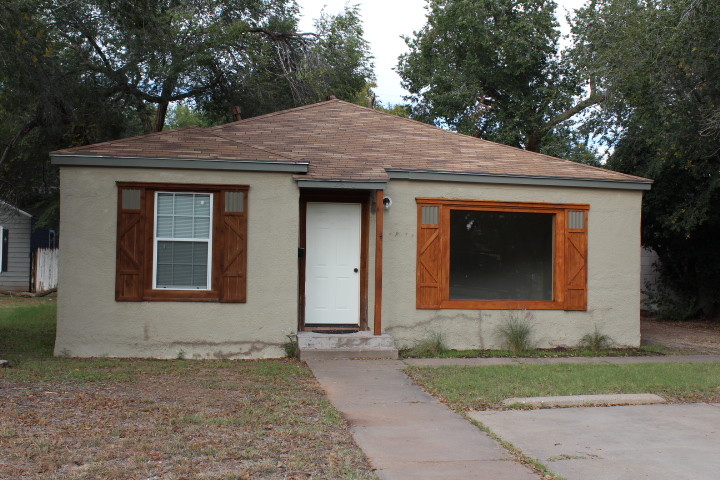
{"points": [[379, 211]]}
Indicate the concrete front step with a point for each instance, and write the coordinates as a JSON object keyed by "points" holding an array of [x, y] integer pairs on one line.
{"points": [[318, 346]]}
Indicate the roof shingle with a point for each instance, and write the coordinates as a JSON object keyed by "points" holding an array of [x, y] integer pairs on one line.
{"points": [[343, 141]]}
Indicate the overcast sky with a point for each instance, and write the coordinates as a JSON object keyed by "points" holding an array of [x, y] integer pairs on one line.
{"points": [[384, 22]]}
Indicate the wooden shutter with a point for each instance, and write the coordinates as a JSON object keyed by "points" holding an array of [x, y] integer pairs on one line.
{"points": [[576, 249], [428, 257], [5, 242], [130, 245], [233, 246]]}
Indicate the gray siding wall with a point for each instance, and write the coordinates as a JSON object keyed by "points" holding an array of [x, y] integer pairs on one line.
{"points": [[17, 276]]}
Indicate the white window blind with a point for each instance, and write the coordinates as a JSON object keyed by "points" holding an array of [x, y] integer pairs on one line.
{"points": [[183, 240]]}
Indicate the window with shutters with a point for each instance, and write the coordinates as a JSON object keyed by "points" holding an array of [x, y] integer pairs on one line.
{"points": [[501, 255], [181, 242]]}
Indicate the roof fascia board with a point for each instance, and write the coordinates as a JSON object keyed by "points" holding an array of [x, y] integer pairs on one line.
{"points": [[181, 163], [8, 206], [517, 179], [344, 184]]}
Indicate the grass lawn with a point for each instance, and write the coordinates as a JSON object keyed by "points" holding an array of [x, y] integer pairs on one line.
{"points": [[179, 419], [482, 388]]}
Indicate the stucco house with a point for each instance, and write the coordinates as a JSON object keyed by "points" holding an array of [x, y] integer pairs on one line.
{"points": [[221, 242]]}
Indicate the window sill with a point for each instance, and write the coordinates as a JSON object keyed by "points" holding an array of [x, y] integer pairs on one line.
{"points": [[501, 305], [181, 295]]}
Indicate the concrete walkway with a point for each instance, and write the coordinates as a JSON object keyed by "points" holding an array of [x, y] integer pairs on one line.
{"points": [[481, 362], [657, 442], [405, 432], [408, 434]]}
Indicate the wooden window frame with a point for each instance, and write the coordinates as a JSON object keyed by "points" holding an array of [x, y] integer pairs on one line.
{"points": [[569, 257], [141, 278]]}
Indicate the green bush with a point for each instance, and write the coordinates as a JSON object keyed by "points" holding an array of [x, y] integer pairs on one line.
{"points": [[596, 341], [516, 331], [431, 346]]}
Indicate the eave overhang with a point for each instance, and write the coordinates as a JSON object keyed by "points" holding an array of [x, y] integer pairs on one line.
{"points": [[471, 177], [179, 163], [342, 184]]}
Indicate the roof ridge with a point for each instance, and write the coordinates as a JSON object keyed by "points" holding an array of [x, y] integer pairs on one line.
{"points": [[131, 139], [272, 114], [255, 147]]}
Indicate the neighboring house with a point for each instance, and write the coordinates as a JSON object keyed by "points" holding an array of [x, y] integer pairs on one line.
{"points": [[15, 227], [220, 242]]}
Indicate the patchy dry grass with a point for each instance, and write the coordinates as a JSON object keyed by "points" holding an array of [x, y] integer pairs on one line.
{"points": [[181, 419]]}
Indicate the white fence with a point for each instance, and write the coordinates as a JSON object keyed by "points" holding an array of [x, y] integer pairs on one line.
{"points": [[45, 269]]}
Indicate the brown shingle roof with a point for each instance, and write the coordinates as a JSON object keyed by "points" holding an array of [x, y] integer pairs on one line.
{"points": [[188, 142], [344, 141]]}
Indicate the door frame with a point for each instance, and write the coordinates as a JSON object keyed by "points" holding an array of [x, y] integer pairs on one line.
{"points": [[330, 196]]}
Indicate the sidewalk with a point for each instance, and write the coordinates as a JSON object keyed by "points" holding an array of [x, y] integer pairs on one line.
{"points": [[481, 362], [408, 434], [405, 432]]}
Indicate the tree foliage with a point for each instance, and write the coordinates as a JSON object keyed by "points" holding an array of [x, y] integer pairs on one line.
{"points": [[659, 61], [492, 68], [80, 72]]}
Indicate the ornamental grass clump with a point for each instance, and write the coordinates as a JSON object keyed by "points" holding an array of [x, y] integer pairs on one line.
{"points": [[596, 341], [431, 346], [516, 331]]}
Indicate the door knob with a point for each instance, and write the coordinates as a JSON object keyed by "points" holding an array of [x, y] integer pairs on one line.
{"points": [[355, 270]]}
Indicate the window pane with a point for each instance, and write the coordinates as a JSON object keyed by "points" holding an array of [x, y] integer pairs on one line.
{"points": [[182, 253], [182, 275], [202, 205], [183, 204], [501, 256], [201, 228], [199, 276], [200, 253], [182, 227], [165, 203], [164, 252], [164, 226], [164, 275]]}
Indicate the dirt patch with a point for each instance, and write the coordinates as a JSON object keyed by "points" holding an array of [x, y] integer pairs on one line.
{"points": [[682, 338], [155, 420]]}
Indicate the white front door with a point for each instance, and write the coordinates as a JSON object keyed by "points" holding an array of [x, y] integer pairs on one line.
{"points": [[332, 263]]}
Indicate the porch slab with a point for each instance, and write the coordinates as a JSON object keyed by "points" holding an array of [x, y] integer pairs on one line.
{"points": [[318, 346]]}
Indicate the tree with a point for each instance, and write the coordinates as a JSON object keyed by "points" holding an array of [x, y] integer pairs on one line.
{"points": [[80, 72], [493, 69], [659, 61]]}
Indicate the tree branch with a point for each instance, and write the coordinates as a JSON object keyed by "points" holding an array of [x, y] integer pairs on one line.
{"points": [[26, 129], [283, 36], [593, 99]]}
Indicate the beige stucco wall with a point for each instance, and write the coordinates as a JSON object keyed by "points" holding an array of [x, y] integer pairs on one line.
{"points": [[613, 268], [92, 323]]}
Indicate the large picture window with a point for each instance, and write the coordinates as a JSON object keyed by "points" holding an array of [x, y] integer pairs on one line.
{"points": [[181, 242], [501, 255]]}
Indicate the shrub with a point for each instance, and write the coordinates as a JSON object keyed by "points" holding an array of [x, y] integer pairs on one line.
{"points": [[431, 346], [596, 341], [291, 346], [516, 331]]}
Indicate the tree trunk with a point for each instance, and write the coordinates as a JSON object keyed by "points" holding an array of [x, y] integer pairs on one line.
{"points": [[533, 142], [160, 116]]}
